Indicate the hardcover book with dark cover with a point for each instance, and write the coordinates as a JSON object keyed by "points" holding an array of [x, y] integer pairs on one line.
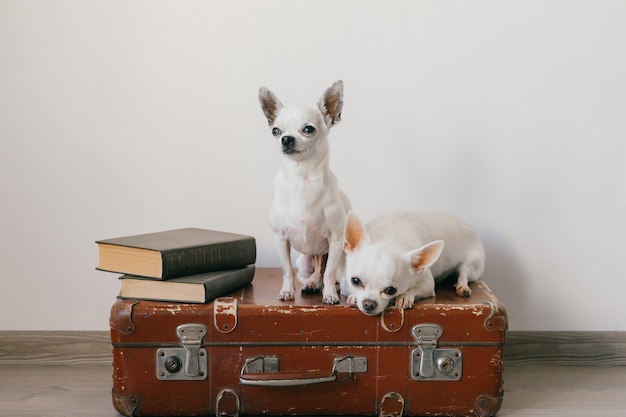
{"points": [[176, 253], [199, 288]]}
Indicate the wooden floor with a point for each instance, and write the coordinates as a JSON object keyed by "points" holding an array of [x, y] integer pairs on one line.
{"points": [[530, 391]]}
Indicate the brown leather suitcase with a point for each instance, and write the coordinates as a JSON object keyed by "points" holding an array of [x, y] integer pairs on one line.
{"points": [[251, 354]]}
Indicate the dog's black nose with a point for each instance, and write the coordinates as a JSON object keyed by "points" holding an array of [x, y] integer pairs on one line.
{"points": [[288, 142], [369, 305]]}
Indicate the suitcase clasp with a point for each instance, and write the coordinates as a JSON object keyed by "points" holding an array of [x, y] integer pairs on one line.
{"points": [[191, 359], [430, 363]]}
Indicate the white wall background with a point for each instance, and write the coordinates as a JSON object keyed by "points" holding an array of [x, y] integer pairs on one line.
{"points": [[125, 117]]}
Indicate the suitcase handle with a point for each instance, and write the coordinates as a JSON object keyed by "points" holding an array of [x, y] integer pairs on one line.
{"points": [[286, 380]]}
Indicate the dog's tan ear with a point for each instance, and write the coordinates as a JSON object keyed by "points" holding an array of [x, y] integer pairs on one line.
{"points": [[331, 103], [270, 104], [425, 256], [355, 235]]}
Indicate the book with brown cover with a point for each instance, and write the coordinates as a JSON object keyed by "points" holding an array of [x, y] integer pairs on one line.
{"points": [[176, 253], [200, 288]]}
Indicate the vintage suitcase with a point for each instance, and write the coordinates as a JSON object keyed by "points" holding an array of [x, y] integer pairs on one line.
{"points": [[250, 354]]}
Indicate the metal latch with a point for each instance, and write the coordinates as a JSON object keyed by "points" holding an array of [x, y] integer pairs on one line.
{"points": [[189, 362], [431, 363]]}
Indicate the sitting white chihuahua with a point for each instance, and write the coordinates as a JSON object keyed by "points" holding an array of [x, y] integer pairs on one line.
{"points": [[309, 210], [402, 255]]}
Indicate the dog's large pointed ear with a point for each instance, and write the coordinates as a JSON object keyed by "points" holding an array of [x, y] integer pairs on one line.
{"points": [[425, 256], [331, 103], [270, 104], [355, 235]]}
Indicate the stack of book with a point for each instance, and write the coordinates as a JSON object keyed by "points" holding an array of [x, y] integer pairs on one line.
{"points": [[184, 265]]}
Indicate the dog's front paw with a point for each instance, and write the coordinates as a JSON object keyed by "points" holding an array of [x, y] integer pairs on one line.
{"points": [[405, 301], [330, 297], [351, 300], [463, 290]]}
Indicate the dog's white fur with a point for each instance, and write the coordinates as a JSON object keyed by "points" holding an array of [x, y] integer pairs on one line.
{"points": [[402, 256], [309, 210]]}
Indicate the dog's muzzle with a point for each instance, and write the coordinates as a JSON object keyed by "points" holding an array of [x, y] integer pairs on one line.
{"points": [[369, 306], [289, 144]]}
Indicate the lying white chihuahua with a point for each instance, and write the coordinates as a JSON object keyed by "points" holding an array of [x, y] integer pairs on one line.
{"points": [[402, 255], [309, 210]]}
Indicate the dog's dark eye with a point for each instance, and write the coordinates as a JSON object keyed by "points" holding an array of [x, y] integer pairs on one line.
{"points": [[356, 282], [276, 131], [309, 130], [390, 290]]}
